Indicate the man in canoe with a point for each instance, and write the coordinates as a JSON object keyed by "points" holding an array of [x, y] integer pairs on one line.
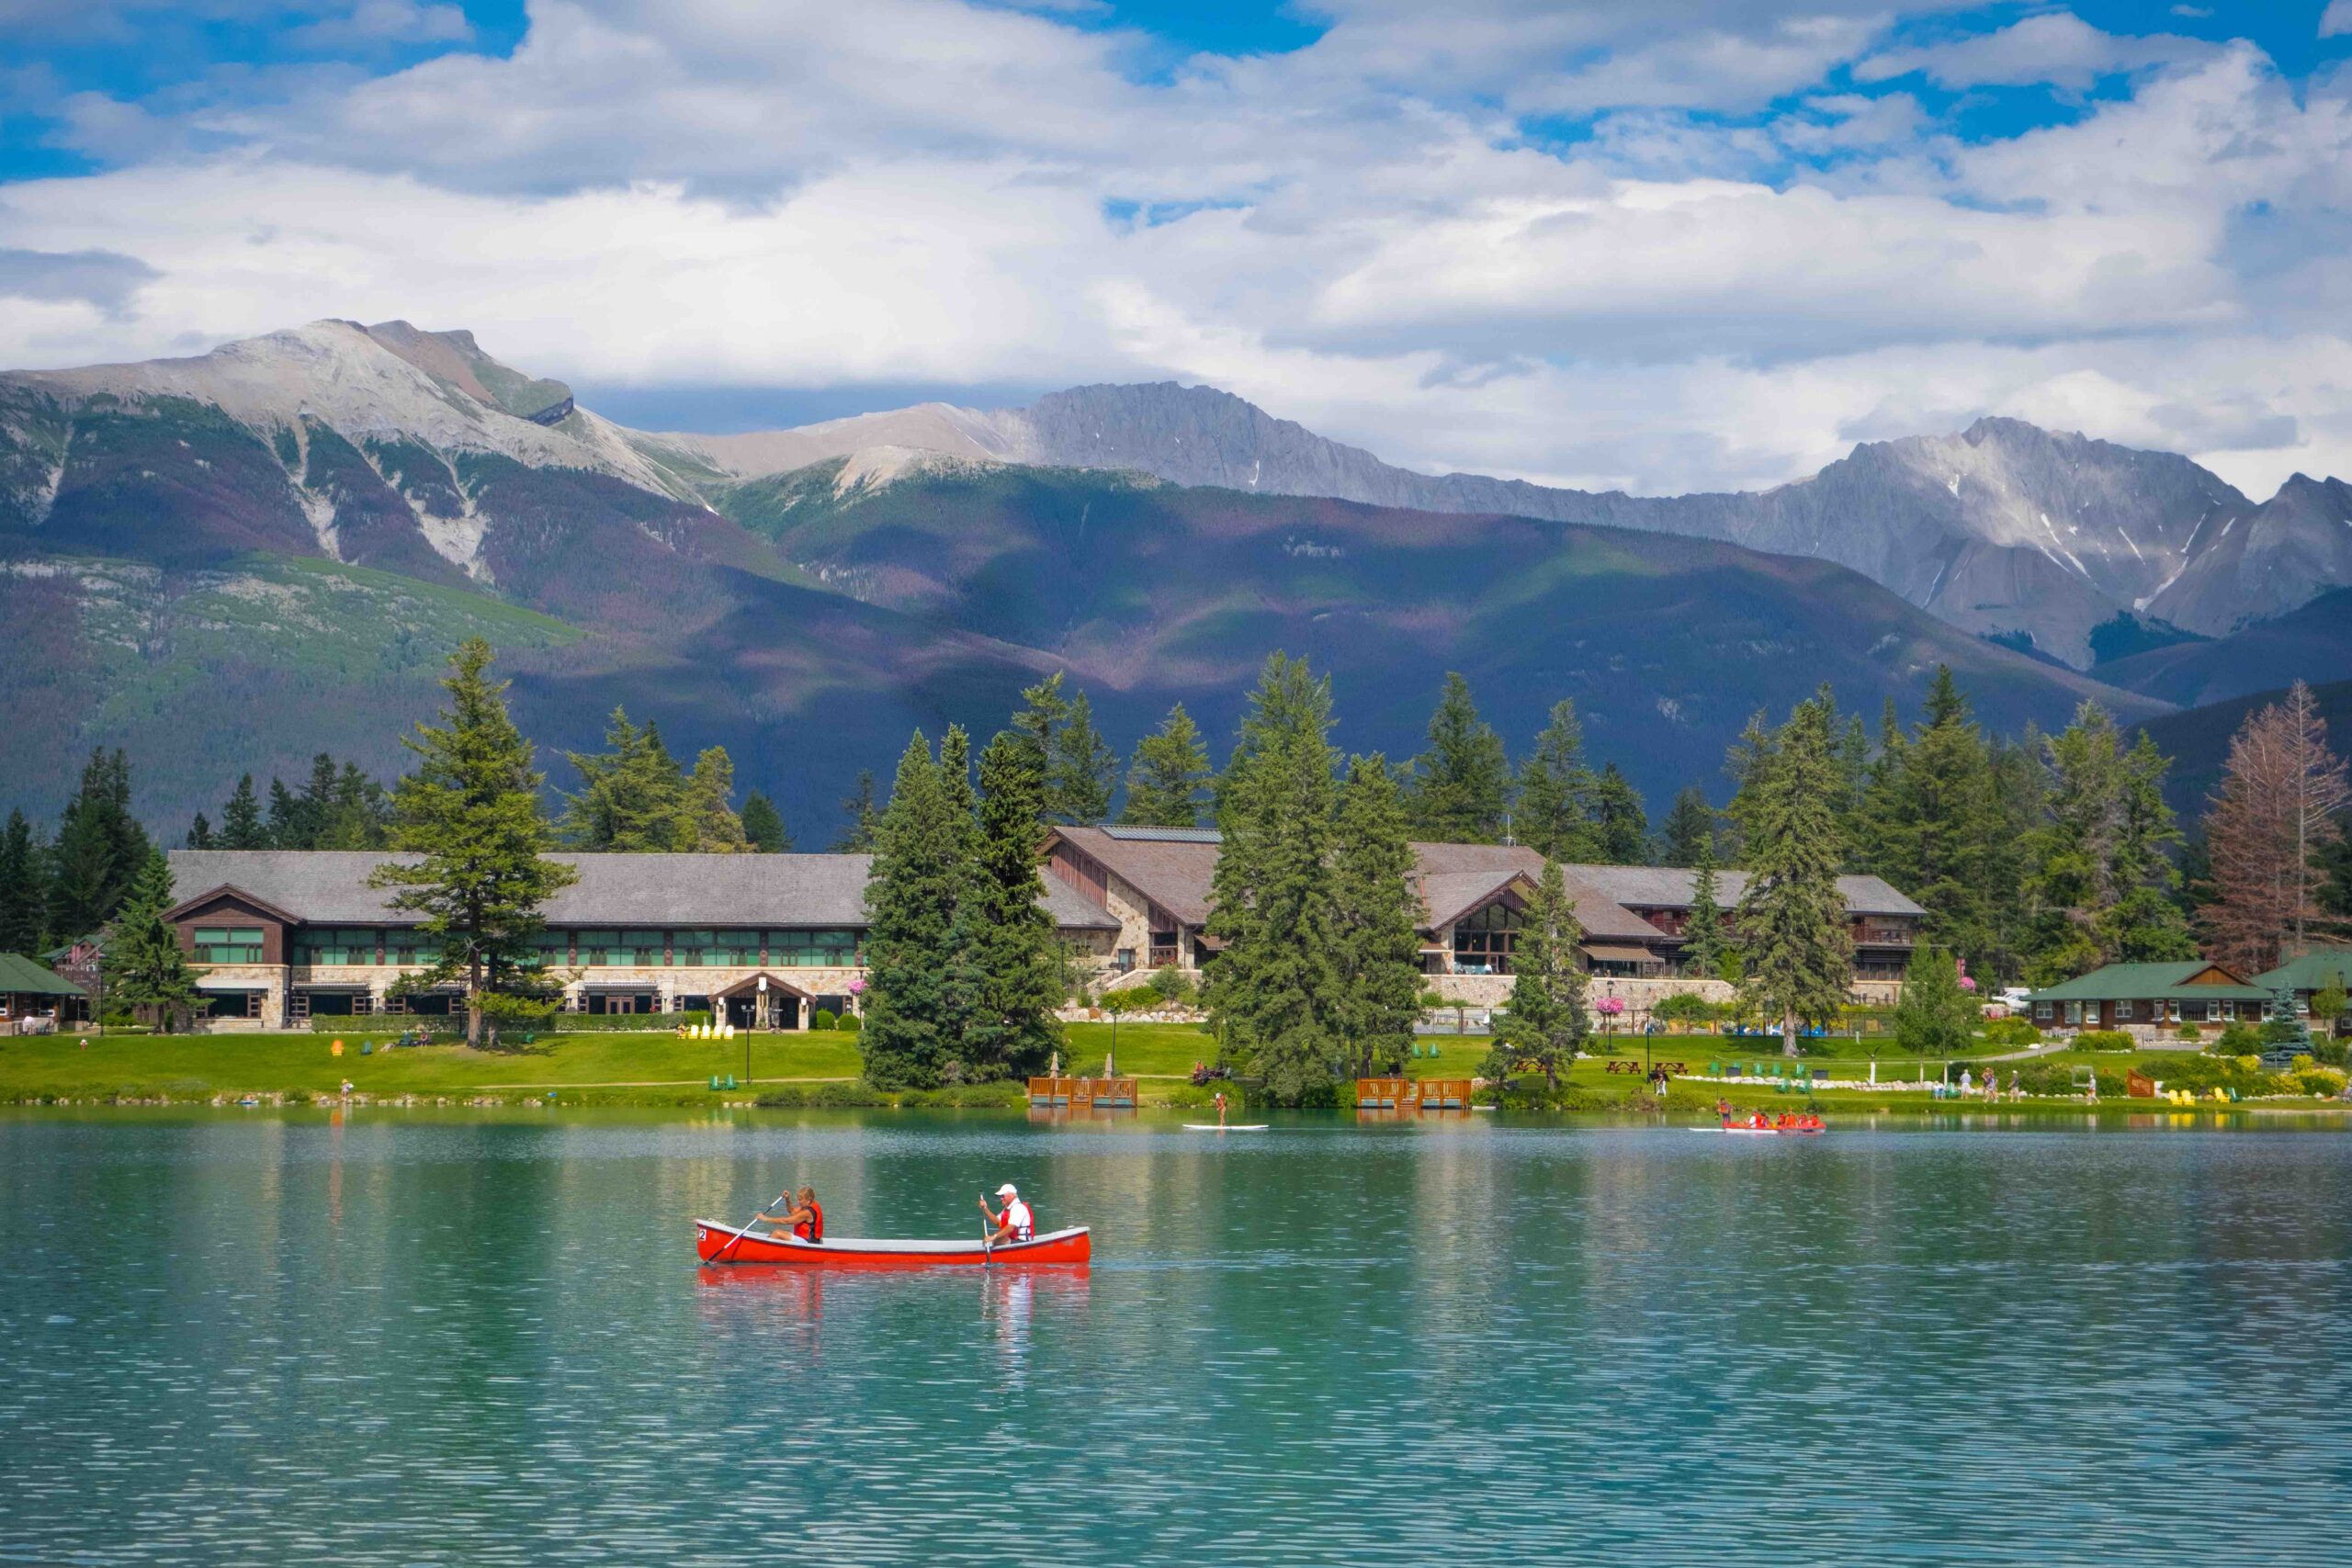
{"points": [[1016, 1223], [807, 1217]]}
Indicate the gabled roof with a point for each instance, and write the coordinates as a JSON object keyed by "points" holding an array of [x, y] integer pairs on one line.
{"points": [[2153, 982], [1671, 887], [2315, 971], [1172, 872], [330, 887], [25, 977], [230, 890]]}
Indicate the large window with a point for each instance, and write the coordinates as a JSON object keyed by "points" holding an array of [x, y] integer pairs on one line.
{"points": [[715, 949], [812, 949], [550, 950], [641, 948], [228, 944], [1483, 940], [334, 945], [600, 948]]}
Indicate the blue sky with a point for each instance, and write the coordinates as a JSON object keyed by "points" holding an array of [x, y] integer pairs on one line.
{"points": [[1664, 246]]}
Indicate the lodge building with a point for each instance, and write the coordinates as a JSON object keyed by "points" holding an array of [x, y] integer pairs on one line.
{"points": [[279, 937], [1154, 883]]}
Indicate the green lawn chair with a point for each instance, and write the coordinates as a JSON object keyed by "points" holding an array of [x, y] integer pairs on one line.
{"points": [[1715, 1069]]}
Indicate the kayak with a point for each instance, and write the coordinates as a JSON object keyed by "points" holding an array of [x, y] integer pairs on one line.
{"points": [[1212, 1127], [714, 1237], [1759, 1132]]}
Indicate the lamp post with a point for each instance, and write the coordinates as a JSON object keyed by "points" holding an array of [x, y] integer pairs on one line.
{"points": [[757, 1007]]}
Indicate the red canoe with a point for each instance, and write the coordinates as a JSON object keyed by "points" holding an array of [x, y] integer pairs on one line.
{"points": [[713, 1237]]}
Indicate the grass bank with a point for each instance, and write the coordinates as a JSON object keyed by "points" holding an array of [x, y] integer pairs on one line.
{"points": [[814, 1067]]}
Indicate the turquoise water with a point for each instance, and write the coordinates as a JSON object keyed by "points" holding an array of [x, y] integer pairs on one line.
{"points": [[412, 1338]]}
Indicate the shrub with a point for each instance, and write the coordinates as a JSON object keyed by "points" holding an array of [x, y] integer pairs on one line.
{"points": [[2103, 1040], [823, 1018], [2330, 1053], [2011, 1031], [2238, 1040], [2188, 1031], [849, 1024], [2315, 1079], [1171, 985], [845, 1096]]}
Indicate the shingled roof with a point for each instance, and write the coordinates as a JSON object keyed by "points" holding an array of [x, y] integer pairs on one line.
{"points": [[1174, 867], [329, 887]]}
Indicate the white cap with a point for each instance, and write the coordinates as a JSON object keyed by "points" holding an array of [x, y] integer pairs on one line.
{"points": [[1007, 1190]]}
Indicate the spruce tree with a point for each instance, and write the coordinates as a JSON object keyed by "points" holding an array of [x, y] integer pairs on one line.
{"points": [[861, 817], [1044, 711], [1555, 817], [1378, 920], [1625, 829], [707, 823], [1796, 946], [144, 969], [1012, 1032], [2101, 879], [764, 825], [285, 831], [241, 823], [1545, 1022], [1165, 780], [100, 850], [1460, 787], [1934, 1016], [1084, 770], [1274, 994], [1689, 823], [1703, 941], [314, 807], [912, 899], [469, 820], [631, 796], [24, 887], [356, 815], [200, 833]]}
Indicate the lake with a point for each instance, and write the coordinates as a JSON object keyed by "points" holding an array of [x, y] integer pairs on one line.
{"points": [[479, 1338]]}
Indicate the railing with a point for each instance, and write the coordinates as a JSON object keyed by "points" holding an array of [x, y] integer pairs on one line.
{"points": [[1164, 957], [1887, 936], [1412, 1094]]}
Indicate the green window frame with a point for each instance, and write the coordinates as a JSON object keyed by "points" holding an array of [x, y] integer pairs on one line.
{"points": [[335, 944], [228, 944], [599, 948]]}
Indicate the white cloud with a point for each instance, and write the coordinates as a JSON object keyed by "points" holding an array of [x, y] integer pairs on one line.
{"points": [[915, 190], [2056, 46], [2336, 20]]}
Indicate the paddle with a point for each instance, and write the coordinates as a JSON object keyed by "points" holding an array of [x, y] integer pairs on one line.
{"points": [[988, 1235], [721, 1255]]}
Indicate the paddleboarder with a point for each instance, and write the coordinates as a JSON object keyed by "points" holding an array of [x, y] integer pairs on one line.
{"points": [[1016, 1223], [1220, 1108]]}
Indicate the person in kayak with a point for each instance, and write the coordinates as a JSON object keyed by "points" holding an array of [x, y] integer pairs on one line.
{"points": [[807, 1217], [1016, 1223]]}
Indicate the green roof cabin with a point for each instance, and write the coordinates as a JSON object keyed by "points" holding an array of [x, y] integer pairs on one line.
{"points": [[34, 999], [2313, 973], [2144, 997]]}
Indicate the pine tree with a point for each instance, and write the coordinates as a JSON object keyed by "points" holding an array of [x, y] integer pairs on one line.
{"points": [[1930, 813], [200, 833], [356, 815], [911, 898], [2271, 828], [1703, 941], [1545, 1022], [863, 818], [1084, 772], [1044, 711], [241, 823], [1274, 994], [1689, 823], [631, 796], [1934, 1016], [1164, 782], [1623, 828], [1460, 787], [2101, 881], [1556, 793], [469, 820], [1376, 921], [285, 831], [1012, 1032], [314, 807], [764, 825], [706, 821], [100, 850], [144, 969], [1797, 948], [24, 887]]}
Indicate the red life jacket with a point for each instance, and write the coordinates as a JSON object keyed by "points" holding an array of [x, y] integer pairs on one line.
{"points": [[813, 1227]]}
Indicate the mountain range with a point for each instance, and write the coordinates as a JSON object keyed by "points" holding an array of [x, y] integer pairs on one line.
{"points": [[233, 560]]}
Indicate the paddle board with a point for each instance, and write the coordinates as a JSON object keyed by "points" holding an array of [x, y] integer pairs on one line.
{"points": [[1212, 1127]]}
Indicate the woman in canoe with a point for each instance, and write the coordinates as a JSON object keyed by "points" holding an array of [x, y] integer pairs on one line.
{"points": [[807, 1217]]}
